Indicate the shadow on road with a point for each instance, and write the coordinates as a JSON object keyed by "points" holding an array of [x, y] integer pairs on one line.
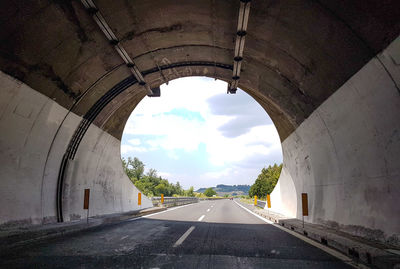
{"points": [[148, 243]]}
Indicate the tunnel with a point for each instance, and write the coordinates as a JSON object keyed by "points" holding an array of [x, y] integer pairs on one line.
{"points": [[326, 72]]}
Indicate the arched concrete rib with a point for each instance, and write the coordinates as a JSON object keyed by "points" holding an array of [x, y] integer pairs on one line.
{"points": [[90, 116]]}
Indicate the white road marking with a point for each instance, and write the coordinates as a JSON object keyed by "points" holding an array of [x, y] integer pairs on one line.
{"points": [[201, 218], [251, 212], [168, 210], [212, 205], [122, 238], [330, 251], [184, 236], [208, 210]]}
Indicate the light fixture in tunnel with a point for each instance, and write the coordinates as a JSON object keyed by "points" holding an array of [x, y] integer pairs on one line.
{"points": [[156, 92], [243, 19], [105, 28]]}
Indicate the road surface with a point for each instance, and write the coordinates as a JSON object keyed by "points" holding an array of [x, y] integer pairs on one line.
{"points": [[209, 234]]}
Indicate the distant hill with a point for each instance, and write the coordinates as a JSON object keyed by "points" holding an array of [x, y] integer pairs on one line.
{"points": [[229, 189]]}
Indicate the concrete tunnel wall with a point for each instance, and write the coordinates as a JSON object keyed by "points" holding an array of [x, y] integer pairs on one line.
{"points": [[297, 54], [35, 132], [346, 156]]}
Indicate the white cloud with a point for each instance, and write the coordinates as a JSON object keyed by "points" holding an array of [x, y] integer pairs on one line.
{"points": [[126, 148], [230, 138], [219, 174], [135, 141], [164, 174]]}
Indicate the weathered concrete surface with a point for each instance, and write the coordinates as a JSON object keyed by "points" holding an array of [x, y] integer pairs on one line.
{"points": [[98, 166], [346, 156], [28, 123], [344, 153], [35, 132], [297, 52]]}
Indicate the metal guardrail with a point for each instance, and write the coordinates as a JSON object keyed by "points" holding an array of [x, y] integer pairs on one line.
{"points": [[174, 201], [212, 198], [261, 203]]}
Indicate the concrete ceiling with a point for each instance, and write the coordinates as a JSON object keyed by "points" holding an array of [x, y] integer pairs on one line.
{"points": [[297, 52]]}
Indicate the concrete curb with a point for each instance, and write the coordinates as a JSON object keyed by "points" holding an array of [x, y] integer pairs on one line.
{"points": [[19, 238], [372, 254]]}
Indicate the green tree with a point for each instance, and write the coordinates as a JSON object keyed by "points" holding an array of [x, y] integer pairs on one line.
{"points": [[126, 164], [266, 181], [209, 192], [150, 183], [190, 192], [138, 168], [133, 168], [161, 189], [178, 189], [152, 173]]}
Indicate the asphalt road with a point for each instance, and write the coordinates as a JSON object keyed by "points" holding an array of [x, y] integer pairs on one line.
{"points": [[209, 234]]}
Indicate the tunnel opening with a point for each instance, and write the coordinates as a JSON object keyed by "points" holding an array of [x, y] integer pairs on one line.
{"points": [[201, 137]]}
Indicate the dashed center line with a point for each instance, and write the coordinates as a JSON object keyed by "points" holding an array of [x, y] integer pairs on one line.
{"points": [[184, 236], [208, 210], [201, 218]]}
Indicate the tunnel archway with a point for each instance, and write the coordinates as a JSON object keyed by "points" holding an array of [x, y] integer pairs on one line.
{"points": [[198, 135], [330, 84]]}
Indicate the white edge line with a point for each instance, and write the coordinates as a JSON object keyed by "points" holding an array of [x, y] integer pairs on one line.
{"points": [[328, 250], [168, 210], [184, 236], [201, 218]]}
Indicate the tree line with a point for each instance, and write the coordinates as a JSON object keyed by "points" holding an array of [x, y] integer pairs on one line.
{"points": [[266, 181], [150, 183]]}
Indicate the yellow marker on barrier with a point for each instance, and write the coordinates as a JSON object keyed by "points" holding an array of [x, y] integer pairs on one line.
{"points": [[268, 201], [162, 198], [139, 199], [255, 199]]}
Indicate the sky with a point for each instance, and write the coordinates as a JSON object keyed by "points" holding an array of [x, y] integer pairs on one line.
{"points": [[198, 135]]}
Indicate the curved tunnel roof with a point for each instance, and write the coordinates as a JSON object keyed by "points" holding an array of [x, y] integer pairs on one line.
{"points": [[297, 53]]}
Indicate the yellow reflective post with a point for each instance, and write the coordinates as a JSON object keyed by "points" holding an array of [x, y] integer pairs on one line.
{"points": [[268, 201], [139, 199], [162, 198], [255, 199]]}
